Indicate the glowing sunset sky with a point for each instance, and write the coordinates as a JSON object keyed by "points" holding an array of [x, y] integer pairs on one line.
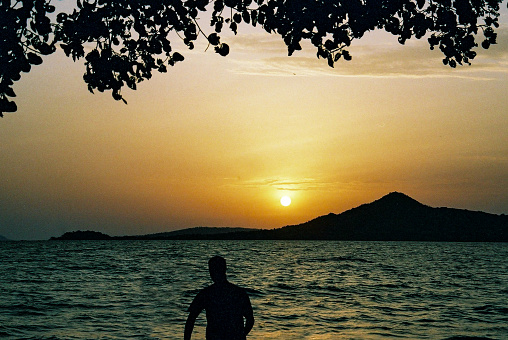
{"points": [[218, 141]]}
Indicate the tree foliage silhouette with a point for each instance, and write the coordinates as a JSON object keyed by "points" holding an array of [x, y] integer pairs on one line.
{"points": [[127, 40]]}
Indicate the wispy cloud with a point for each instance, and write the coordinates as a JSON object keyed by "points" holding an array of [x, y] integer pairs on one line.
{"points": [[292, 184], [264, 54], [282, 183]]}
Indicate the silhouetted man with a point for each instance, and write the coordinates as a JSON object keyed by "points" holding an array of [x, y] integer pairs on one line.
{"points": [[226, 306]]}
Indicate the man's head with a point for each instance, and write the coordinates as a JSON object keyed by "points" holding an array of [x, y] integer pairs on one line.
{"points": [[217, 268]]}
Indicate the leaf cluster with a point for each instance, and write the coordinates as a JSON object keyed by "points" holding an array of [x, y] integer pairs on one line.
{"points": [[124, 41], [26, 34]]}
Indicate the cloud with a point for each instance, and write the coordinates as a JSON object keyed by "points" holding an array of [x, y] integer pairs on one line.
{"points": [[290, 184], [381, 56]]}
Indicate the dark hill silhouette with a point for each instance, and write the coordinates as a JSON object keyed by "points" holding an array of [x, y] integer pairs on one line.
{"points": [[397, 217], [394, 217], [2, 238], [83, 235], [187, 233]]}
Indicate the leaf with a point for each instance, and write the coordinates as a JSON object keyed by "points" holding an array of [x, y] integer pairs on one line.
{"points": [[321, 53], [330, 60], [222, 49], [218, 27], [7, 106], [291, 49], [166, 45], [92, 56], [116, 95], [10, 92], [254, 15], [177, 57], [246, 17], [46, 49], [25, 66], [218, 5], [233, 27], [61, 17], [214, 39], [329, 45], [33, 58]]}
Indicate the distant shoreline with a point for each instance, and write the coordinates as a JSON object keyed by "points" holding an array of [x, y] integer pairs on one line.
{"points": [[394, 217]]}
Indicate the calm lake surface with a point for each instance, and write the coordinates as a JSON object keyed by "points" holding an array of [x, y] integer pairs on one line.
{"points": [[298, 289]]}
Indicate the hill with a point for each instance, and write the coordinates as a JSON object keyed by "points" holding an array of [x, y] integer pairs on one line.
{"points": [[397, 217], [187, 233], [83, 235], [3, 238], [394, 217]]}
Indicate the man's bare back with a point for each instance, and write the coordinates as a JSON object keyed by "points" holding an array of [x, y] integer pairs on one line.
{"points": [[226, 306]]}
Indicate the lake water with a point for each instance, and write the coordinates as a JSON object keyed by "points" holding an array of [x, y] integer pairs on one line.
{"points": [[298, 289]]}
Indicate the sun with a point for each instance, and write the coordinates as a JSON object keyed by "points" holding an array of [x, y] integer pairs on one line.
{"points": [[285, 201]]}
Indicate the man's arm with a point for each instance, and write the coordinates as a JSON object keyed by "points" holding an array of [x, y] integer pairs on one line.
{"points": [[189, 325], [195, 308], [249, 323], [249, 317]]}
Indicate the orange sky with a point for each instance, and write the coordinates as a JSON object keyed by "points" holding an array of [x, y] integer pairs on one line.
{"points": [[217, 141]]}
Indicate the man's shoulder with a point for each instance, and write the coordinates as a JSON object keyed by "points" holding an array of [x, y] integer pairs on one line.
{"points": [[237, 288], [206, 290], [228, 286], [233, 286], [238, 291]]}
